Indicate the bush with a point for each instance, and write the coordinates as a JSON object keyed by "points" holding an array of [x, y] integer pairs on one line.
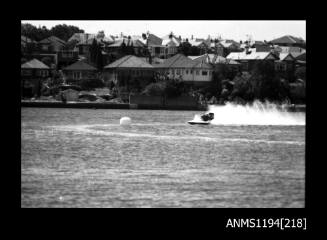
{"points": [[155, 89], [174, 88], [169, 88], [242, 88], [297, 92], [300, 73], [91, 84]]}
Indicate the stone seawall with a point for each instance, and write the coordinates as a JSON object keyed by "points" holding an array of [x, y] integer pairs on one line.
{"points": [[148, 105]]}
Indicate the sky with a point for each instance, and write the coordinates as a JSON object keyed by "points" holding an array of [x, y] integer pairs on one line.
{"points": [[236, 30]]}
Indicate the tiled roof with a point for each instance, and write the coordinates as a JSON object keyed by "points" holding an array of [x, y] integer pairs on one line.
{"points": [[81, 65], [300, 56], [170, 42], [195, 43], [34, 64], [136, 43], [290, 49], [181, 61], [283, 56], [155, 60], [154, 40], [213, 58], [170, 61], [129, 61], [197, 57], [53, 39], [202, 64], [81, 37], [252, 56], [287, 39]]}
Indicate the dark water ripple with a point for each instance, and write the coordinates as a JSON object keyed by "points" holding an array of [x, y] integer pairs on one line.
{"points": [[84, 158]]}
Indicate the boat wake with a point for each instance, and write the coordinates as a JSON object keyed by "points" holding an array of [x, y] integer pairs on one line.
{"points": [[255, 114], [94, 130]]}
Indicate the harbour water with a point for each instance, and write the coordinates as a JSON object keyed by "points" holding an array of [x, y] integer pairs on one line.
{"points": [[84, 158]]}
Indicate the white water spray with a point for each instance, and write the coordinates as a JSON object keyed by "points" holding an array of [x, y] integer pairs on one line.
{"points": [[256, 114]]}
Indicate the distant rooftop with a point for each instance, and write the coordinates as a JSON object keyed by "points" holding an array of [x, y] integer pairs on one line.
{"points": [[34, 64], [129, 61]]}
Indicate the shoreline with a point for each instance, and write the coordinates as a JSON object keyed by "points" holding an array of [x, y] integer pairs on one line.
{"points": [[97, 105]]}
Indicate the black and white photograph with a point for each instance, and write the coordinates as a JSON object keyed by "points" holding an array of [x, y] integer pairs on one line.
{"points": [[163, 113]]}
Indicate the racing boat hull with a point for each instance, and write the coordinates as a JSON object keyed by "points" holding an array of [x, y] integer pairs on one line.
{"points": [[199, 122]]}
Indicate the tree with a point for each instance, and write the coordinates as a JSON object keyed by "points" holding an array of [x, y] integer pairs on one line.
{"points": [[93, 51], [47, 60], [194, 51], [185, 48], [99, 58], [131, 49], [266, 84], [64, 31], [122, 49], [242, 88]]}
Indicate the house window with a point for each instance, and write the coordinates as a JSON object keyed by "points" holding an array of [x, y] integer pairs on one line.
{"points": [[204, 73], [43, 73], [26, 72], [178, 71], [172, 72], [186, 71], [77, 75], [197, 72], [191, 71]]}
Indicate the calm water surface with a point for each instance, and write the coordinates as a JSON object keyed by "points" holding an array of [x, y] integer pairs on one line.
{"points": [[84, 158]]}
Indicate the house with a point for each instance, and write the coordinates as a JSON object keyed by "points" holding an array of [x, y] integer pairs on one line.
{"points": [[286, 62], [300, 58], [66, 57], [86, 40], [261, 46], [217, 61], [171, 43], [80, 37], [248, 59], [129, 72], [137, 44], [288, 40], [224, 47], [27, 43], [154, 44], [51, 44], [186, 69], [34, 68], [202, 45], [33, 73], [80, 70]]}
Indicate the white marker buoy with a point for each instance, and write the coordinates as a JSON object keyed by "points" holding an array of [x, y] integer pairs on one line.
{"points": [[125, 121]]}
